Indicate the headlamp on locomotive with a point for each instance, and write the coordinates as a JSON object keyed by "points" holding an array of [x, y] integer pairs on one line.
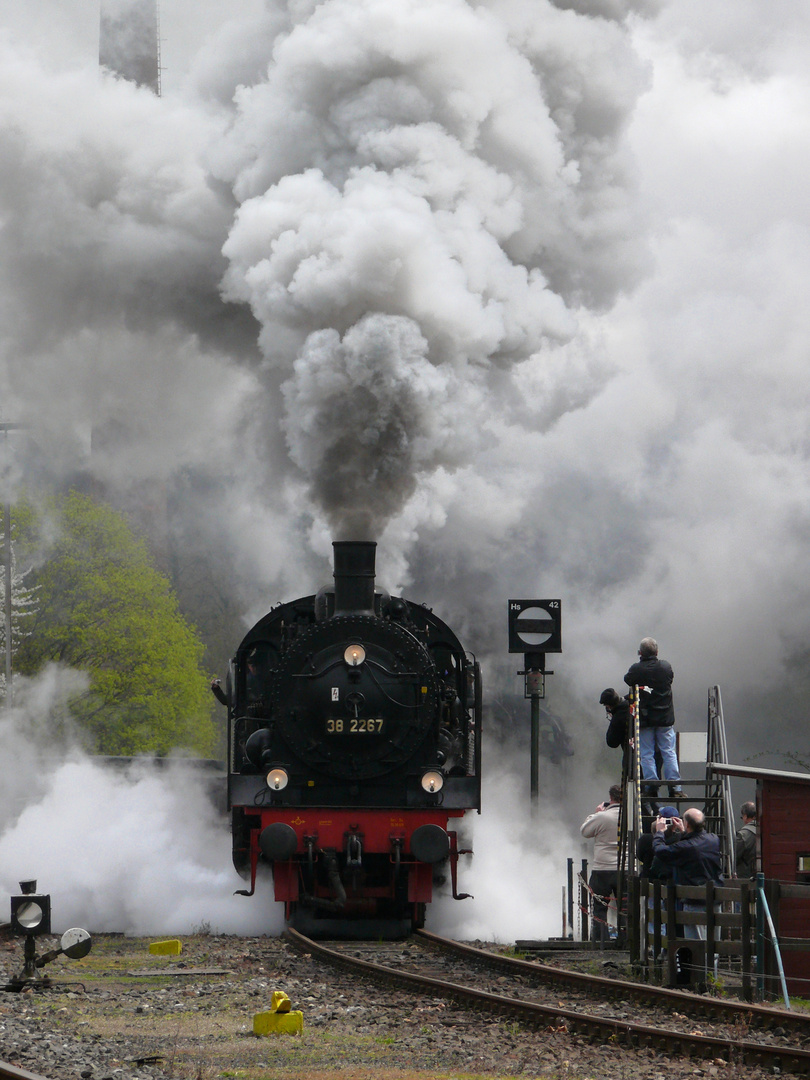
{"points": [[354, 743]]}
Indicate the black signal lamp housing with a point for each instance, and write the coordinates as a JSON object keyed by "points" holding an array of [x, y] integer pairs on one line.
{"points": [[31, 917], [30, 911]]}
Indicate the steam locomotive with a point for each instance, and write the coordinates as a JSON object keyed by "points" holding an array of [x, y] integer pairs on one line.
{"points": [[354, 724]]}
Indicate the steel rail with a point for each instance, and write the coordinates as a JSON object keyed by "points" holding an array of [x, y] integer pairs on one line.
{"points": [[759, 1016], [739, 1051], [11, 1072]]}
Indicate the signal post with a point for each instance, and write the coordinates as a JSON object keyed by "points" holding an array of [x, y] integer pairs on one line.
{"points": [[535, 628]]}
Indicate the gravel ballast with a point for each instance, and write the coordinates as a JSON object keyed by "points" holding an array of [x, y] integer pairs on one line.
{"points": [[125, 1014]]}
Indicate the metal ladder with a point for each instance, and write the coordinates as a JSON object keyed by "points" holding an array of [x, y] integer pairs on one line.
{"points": [[712, 793]]}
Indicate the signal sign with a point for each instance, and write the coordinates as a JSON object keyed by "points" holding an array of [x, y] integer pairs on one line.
{"points": [[535, 626]]}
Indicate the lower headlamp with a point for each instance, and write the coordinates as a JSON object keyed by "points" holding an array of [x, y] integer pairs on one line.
{"points": [[432, 781]]}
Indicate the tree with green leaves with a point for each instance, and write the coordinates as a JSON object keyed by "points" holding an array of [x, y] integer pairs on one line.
{"points": [[104, 608]]}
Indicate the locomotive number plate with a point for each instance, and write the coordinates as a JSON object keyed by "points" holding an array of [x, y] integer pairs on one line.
{"points": [[354, 726]]}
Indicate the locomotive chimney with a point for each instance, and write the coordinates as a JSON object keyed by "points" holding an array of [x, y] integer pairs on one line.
{"points": [[354, 576]]}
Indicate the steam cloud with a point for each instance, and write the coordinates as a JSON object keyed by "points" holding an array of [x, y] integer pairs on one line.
{"points": [[137, 852], [516, 289], [416, 195]]}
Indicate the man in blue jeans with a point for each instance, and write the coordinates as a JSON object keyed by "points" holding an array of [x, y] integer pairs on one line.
{"points": [[656, 718]]}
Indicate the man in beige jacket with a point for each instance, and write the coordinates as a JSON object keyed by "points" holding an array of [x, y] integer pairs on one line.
{"points": [[602, 826]]}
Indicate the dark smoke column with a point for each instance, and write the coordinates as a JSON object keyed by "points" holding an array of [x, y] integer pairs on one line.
{"points": [[129, 41]]}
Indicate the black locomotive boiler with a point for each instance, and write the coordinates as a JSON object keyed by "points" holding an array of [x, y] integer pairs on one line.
{"points": [[354, 744]]}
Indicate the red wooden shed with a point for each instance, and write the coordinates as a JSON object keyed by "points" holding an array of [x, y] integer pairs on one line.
{"points": [[783, 856]]}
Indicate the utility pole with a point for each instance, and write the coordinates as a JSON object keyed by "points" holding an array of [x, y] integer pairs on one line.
{"points": [[6, 428]]}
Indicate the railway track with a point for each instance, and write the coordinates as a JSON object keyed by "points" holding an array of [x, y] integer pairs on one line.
{"points": [[675, 1023], [761, 1017], [11, 1072]]}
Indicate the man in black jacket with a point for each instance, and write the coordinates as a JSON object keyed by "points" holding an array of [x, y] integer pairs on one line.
{"points": [[694, 858], [656, 719], [618, 714]]}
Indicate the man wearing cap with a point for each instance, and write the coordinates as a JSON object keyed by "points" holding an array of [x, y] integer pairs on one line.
{"points": [[618, 715], [653, 868], [644, 844], [656, 720]]}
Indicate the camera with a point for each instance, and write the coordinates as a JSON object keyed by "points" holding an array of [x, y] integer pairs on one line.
{"points": [[667, 820]]}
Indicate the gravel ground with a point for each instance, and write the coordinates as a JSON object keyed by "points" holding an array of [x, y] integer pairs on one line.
{"points": [[124, 1014]]}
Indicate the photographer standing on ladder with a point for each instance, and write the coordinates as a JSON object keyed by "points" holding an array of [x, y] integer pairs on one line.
{"points": [[654, 678]]}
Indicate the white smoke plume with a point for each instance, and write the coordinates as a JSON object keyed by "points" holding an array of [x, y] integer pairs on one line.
{"points": [[130, 850], [516, 287], [416, 195], [156, 862]]}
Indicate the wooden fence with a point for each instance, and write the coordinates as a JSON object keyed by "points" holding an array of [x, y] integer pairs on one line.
{"points": [[717, 929]]}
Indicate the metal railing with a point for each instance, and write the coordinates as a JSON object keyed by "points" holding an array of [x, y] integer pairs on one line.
{"points": [[719, 808]]}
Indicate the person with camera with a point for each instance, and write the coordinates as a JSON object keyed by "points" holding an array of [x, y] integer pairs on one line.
{"points": [[648, 866], [653, 677], [602, 826], [693, 857], [618, 717], [651, 867]]}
